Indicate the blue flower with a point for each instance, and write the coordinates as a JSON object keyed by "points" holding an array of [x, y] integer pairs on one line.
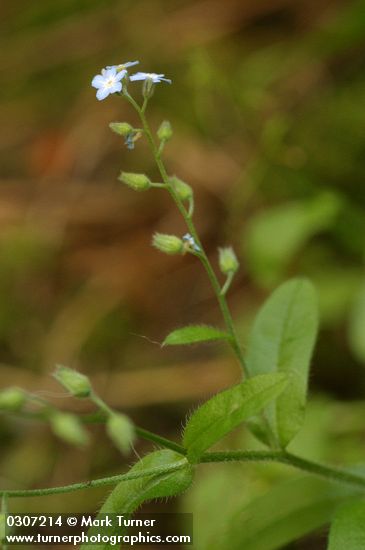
{"points": [[108, 82], [190, 243], [153, 77], [123, 66]]}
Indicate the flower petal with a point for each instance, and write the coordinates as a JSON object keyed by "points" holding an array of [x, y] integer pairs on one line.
{"points": [[138, 76], [102, 93], [109, 73], [97, 81], [120, 75], [117, 87], [130, 63]]}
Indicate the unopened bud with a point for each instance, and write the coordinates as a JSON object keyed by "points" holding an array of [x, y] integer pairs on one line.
{"points": [[228, 262], [12, 399], [138, 182], [183, 190], [148, 88], [121, 128], [170, 244], [68, 427], [121, 431], [164, 133], [76, 383]]}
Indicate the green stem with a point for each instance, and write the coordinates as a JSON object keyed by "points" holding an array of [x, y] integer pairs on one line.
{"points": [[101, 404], [228, 283], [333, 474], [187, 216], [100, 416], [112, 480], [192, 230], [150, 436]]}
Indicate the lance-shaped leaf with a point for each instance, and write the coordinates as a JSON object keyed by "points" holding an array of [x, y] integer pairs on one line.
{"points": [[173, 475], [193, 334], [348, 528], [282, 340], [228, 409], [306, 504]]}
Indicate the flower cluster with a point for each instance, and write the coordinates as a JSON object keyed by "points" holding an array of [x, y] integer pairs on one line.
{"points": [[112, 79]]}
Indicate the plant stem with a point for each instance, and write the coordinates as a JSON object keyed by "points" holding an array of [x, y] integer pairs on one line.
{"points": [[150, 436], [112, 480], [192, 230], [227, 284], [333, 474], [219, 292]]}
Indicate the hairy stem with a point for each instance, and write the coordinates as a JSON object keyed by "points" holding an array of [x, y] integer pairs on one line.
{"points": [[162, 441], [219, 292], [192, 230], [112, 480], [331, 473]]}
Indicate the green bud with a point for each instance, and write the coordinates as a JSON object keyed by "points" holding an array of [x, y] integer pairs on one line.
{"points": [[138, 182], [12, 399], [122, 128], [183, 190], [169, 244], [121, 431], [76, 383], [68, 427], [148, 88], [164, 133], [228, 262]]}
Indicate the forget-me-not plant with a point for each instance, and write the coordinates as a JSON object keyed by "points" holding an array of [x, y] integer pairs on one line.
{"points": [[271, 397]]}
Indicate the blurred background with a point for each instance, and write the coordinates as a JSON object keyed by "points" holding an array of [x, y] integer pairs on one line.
{"points": [[267, 110]]}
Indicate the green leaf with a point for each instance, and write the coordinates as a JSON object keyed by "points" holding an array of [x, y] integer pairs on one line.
{"points": [[227, 410], [282, 340], [129, 495], [193, 334], [348, 528], [287, 228], [357, 326], [287, 512]]}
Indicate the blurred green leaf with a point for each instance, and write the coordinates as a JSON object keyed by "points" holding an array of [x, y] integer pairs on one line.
{"points": [[287, 512], [348, 528], [193, 334], [337, 288], [227, 410], [129, 495], [282, 340], [357, 326], [276, 235]]}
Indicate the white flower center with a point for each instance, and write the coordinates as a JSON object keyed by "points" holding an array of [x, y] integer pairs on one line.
{"points": [[110, 82]]}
